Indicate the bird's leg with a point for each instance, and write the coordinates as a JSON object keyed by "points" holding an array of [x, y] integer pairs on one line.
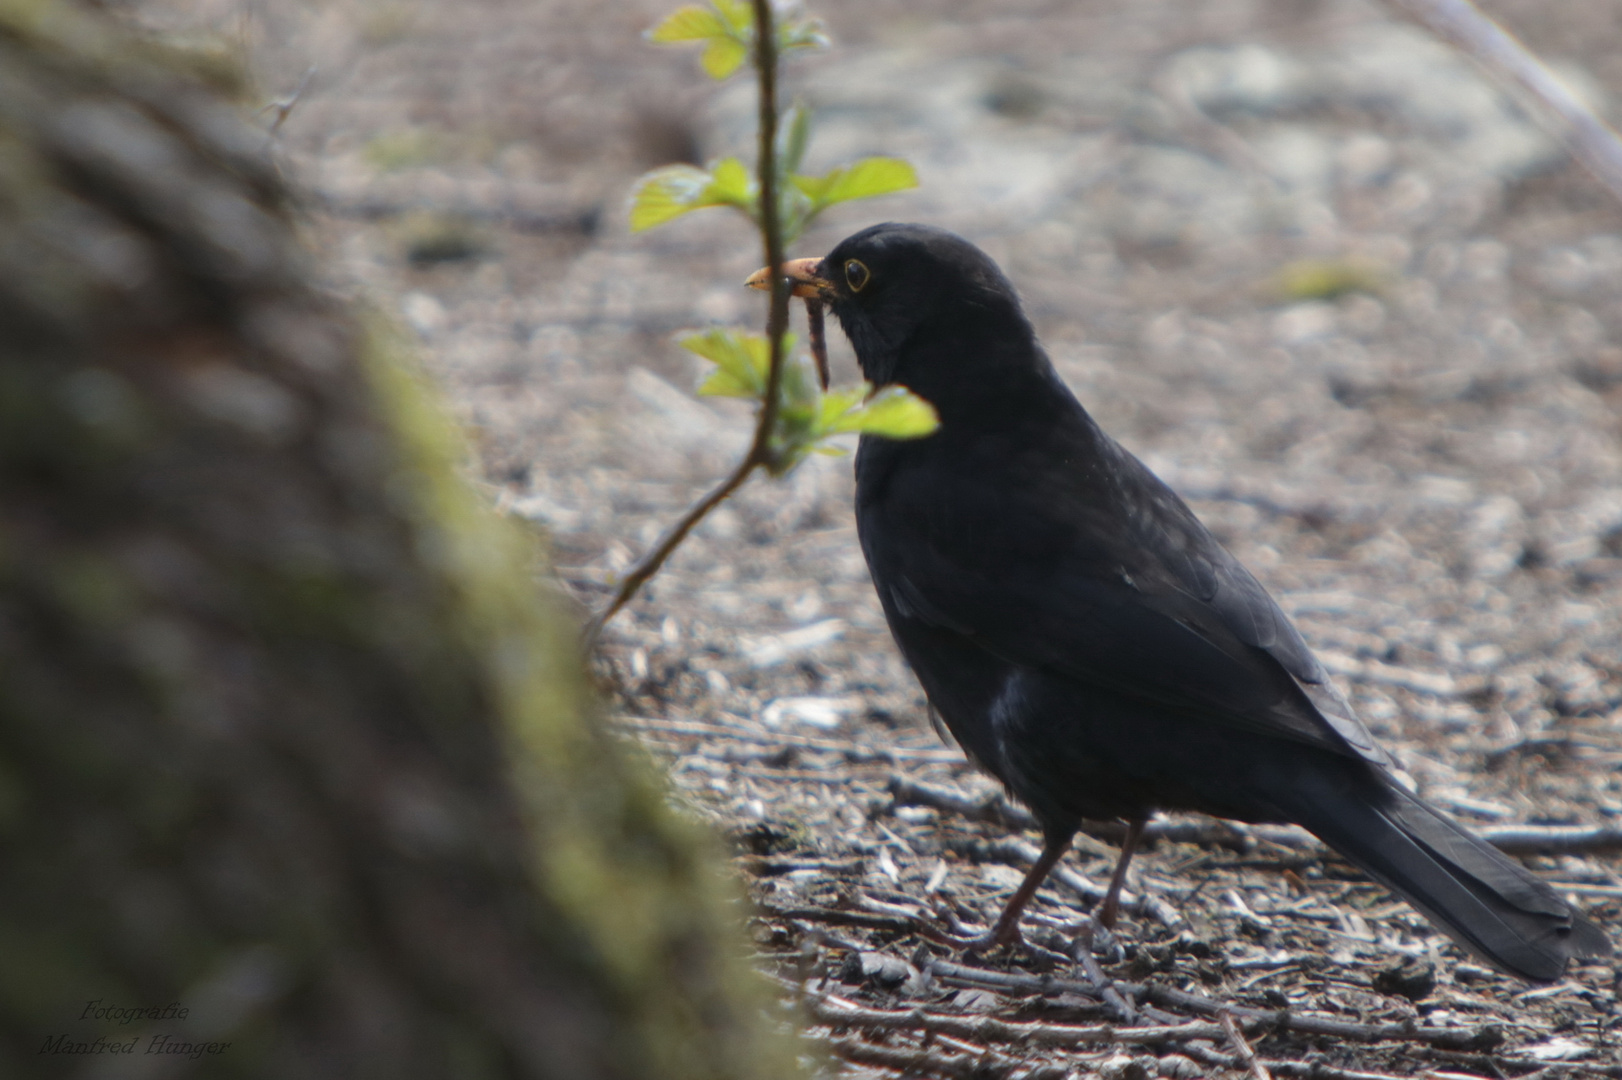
{"points": [[1111, 907], [1006, 932]]}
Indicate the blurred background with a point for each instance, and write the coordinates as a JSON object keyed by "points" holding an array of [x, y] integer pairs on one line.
{"points": [[1300, 256]]}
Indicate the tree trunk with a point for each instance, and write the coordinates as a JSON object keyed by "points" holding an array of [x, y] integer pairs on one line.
{"points": [[297, 769]]}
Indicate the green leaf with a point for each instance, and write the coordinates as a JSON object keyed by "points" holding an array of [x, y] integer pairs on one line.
{"points": [[1327, 279], [723, 383], [839, 404], [894, 412], [670, 192], [865, 179], [732, 183], [726, 27], [801, 34], [723, 55], [739, 15], [691, 23], [897, 413], [667, 193], [741, 360], [793, 138], [811, 187], [738, 371], [801, 388]]}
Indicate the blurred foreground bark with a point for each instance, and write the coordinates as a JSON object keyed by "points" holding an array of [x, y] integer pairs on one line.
{"points": [[296, 770]]}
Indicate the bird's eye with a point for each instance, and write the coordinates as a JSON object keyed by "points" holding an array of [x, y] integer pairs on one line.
{"points": [[856, 275]]}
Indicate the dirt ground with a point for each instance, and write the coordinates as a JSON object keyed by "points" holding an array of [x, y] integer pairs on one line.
{"points": [[1425, 469]]}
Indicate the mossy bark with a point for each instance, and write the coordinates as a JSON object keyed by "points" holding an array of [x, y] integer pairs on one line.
{"points": [[289, 740]]}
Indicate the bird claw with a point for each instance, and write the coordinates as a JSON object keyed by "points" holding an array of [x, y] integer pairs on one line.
{"points": [[1042, 956], [990, 940], [1003, 935]]}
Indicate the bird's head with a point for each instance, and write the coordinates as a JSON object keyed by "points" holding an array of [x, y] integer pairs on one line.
{"points": [[898, 289]]}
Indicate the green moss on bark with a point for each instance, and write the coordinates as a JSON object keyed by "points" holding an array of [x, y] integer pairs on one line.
{"points": [[289, 737]]}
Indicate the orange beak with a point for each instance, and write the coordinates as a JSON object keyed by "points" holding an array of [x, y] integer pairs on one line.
{"points": [[801, 272]]}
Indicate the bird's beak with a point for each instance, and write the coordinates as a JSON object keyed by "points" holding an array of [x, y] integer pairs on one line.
{"points": [[804, 274]]}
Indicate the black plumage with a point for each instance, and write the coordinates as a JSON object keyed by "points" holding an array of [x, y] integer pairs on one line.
{"points": [[1087, 640]]}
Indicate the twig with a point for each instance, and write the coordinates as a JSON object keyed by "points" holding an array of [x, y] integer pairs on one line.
{"points": [[1282, 1019], [655, 559], [999, 811], [1317, 1070], [1515, 839], [760, 451], [836, 917], [283, 107], [926, 1062], [1553, 839], [1103, 986], [1236, 1039], [771, 225], [1285, 1020], [853, 751], [766, 866], [836, 1010], [922, 1062], [1585, 136], [1585, 888]]}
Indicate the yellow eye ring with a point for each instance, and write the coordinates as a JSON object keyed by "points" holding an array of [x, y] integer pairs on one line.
{"points": [[856, 275]]}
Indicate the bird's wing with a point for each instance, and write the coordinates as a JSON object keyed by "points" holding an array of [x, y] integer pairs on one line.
{"points": [[1108, 578], [1211, 591]]}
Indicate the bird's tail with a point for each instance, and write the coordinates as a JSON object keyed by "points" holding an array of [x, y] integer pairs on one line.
{"points": [[1482, 899]]}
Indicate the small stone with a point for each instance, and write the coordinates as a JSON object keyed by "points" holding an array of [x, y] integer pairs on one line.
{"points": [[1126, 1067], [876, 969], [1178, 1067], [1413, 978]]}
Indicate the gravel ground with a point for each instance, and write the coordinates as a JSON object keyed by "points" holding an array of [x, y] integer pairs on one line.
{"points": [[1425, 469]]}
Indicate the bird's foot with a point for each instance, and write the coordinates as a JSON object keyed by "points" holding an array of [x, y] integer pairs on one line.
{"points": [[1051, 952], [998, 936], [1038, 957], [968, 937]]}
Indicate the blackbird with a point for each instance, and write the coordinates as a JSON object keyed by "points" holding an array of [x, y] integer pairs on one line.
{"points": [[1084, 637]]}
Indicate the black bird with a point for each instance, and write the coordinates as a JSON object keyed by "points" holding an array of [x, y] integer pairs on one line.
{"points": [[1088, 642]]}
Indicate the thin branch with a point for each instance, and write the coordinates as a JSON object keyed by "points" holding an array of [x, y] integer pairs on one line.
{"points": [[1241, 1046], [283, 107], [1103, 985], [835, 917], [655, 559], [1585, 136], [760, 447], [854, 751], [927, 1062], [997, 810], [1553, 839], [1475, 1038], [771, 225], [1317, 1070], [1281, 1019], [837, 1011]]}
